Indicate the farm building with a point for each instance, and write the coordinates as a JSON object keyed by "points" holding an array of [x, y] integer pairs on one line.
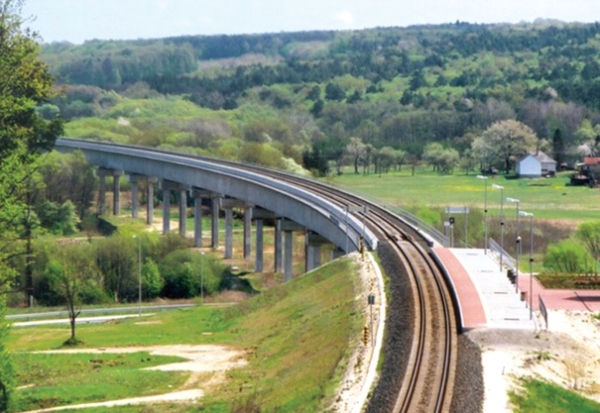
{"points": [[536, 165]]}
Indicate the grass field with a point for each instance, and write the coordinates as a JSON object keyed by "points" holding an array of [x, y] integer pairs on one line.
{"points": [[296, 336], [61, 379], [540, 397], [547, 198]]}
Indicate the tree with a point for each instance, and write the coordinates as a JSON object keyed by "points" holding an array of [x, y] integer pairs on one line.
{"points": [[334, 92], [558, 147], [442, 159], [25, 83], [504, 141], [356, 151], [73, 269], [589, 234], [116, 259]]}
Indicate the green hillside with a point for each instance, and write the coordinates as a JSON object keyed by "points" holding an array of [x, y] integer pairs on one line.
{"points": [[292, 100]]}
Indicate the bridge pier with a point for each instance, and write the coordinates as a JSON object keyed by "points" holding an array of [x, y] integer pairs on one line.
{"points": [[134, 181], [278, 246], [228, 233], [313, 243], [288, 228], [150, 196], [167, 187], [259, 215], [198, 195], [102, 172], [166, 207], [247, 231], [228, 204], [116, 191], [259, 261], [182, 210], [336, 253], [214, 230]]}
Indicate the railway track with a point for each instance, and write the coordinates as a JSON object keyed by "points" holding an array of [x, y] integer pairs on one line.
{"points": [[421, 348]]}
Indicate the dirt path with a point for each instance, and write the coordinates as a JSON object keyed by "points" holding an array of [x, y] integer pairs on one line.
{"points": [[207, 363]]}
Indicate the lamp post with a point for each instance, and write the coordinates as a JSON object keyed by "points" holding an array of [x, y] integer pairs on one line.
{"points": [[139, 241], [530, 215], [202, 278], [485, 210], [516, 201], [501, 188]]}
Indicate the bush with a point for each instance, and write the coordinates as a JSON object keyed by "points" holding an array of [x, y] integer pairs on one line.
{"points": [[152, 280], [568, 256], [186, 271]]}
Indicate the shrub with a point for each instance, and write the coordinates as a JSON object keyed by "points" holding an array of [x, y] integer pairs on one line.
{"points": [[186, 271]]}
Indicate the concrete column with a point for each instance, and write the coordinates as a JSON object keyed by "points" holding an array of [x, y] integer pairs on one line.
{"points": [[228, 233], [336, 253], [215, 201], [258, 264], [166, 206], [288, 257], [313, 257], [150, 200], [313, 244], [278, 246], [197, 219], [182, 211], [247, 232], [102, 191], [312, 252], [134, 180], [116, 192]]}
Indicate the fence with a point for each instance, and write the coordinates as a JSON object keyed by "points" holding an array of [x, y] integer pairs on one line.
{"points": [[507, 260], [543, 310]]}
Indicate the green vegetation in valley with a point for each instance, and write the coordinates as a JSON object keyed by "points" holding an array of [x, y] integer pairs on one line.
{"points": [[540, 397]]}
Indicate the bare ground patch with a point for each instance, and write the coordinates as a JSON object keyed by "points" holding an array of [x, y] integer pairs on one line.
{"points": [[207, 364]]}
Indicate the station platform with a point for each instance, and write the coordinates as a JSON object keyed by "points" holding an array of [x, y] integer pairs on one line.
{"points": [[487, 297]]}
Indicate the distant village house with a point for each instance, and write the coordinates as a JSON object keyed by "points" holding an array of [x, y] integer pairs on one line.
{"points": [[536, 165]]}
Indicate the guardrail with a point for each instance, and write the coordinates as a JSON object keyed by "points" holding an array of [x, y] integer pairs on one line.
{"points": [[96, 311], [411, 219]]}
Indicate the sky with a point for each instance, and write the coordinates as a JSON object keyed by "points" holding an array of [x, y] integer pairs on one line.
{"points": [[76, 21]]}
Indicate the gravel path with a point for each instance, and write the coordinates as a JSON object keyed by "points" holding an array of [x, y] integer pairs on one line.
{"points": [[399, 329], [468, 385]]}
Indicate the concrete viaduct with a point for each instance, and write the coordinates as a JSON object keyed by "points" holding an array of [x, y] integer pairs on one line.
{"points": [[228, 186]]}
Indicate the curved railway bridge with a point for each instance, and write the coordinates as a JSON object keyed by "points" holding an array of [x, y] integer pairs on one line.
{"points": [[420, 349]]}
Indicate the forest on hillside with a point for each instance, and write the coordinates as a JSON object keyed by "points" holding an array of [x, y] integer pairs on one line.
{"points": [[371, 99]]}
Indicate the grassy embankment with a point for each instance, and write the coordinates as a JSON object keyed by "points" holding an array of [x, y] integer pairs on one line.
{"points": [[296, 337]]}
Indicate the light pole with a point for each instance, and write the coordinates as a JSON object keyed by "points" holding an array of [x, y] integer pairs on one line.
{"points": [[516, 201], [139, 240], [530, 215], [501, 188], [485, 210], [202, 278]]}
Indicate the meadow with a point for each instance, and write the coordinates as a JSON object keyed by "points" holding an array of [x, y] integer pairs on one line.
{"points": [[296, 337], [546, 198]]}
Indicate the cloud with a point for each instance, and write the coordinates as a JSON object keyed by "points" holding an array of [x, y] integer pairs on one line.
{"points": [[345, 17]]}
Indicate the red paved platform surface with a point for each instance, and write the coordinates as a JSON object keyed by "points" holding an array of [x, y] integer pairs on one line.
{"points": [[473, 314], [574, 300]]}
